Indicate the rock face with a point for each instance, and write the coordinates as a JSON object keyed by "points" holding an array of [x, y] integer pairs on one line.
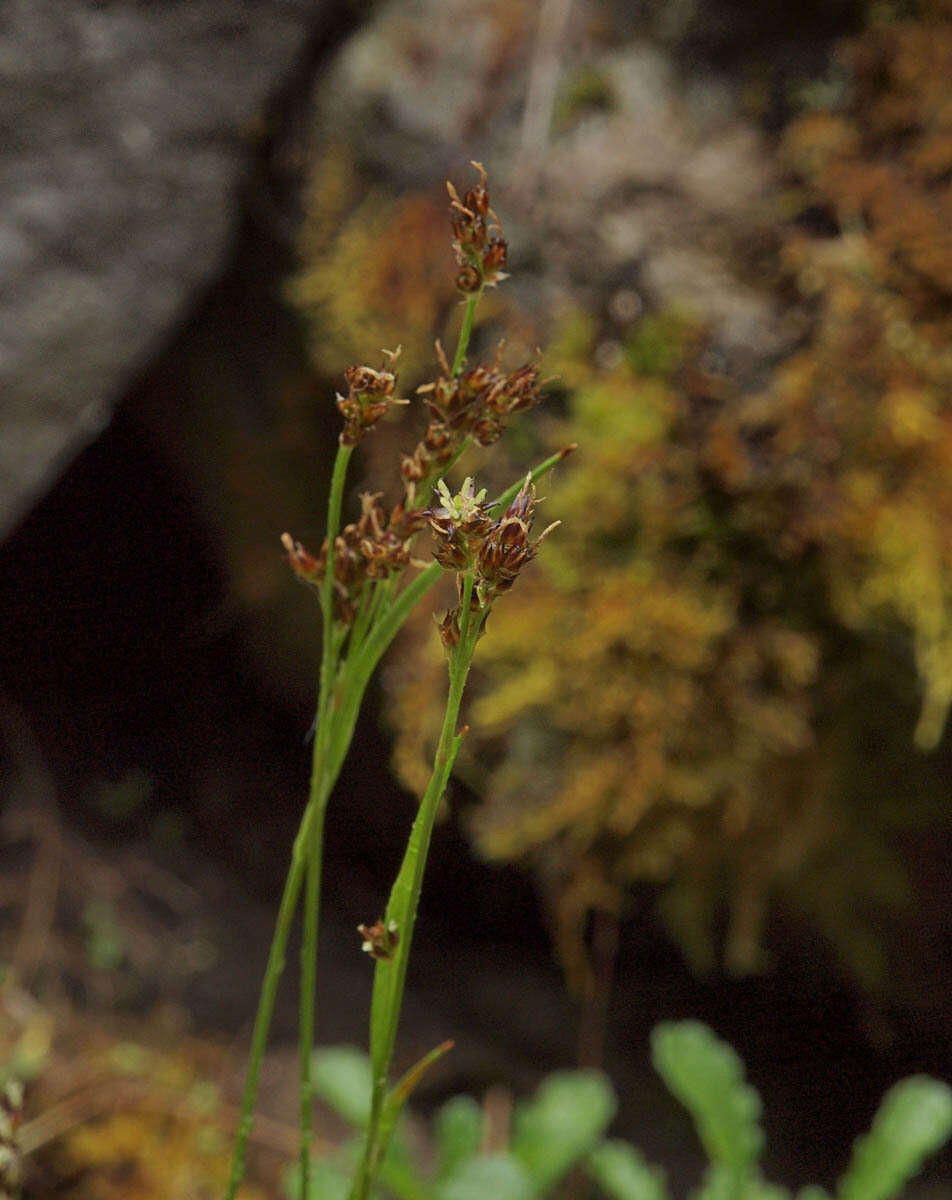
{"points": [[124, 128], [630, 177]]}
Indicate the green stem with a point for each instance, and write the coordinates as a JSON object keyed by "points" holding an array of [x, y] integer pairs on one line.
{"points": [[312, 892], [319, 792], [365, 606], [307, 849], [353, 682], [390, 975], [465, 332], [334, 503], [360, 666], [275, 965]]}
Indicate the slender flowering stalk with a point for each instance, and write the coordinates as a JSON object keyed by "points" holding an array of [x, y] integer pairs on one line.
{"points": [[318, 797], [486, 555], [360, 576], [391, 969]]}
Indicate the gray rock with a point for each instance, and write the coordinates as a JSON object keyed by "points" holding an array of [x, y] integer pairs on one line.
{"points": [[650, 189], [124, 129]]}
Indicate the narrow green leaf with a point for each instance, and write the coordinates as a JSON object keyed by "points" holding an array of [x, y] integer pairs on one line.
{"points": [[342, 1079], [404, 1088], [561, 1123], [493, 1177], [459, 1134], [813, 1192], [622, 1173], [707, 1077], [390, 973], [398, 1096], [913, 1121]]}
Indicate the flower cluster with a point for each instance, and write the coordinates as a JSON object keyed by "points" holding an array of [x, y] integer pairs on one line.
{"points": [[370, 395], [507, 547], [475, 404], [379, 940], [459, 524], [371, 548], [470, 405], [480, 247], [468, 538]]}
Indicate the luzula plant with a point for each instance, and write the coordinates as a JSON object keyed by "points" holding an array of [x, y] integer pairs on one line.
{"points": [[369, 577]]}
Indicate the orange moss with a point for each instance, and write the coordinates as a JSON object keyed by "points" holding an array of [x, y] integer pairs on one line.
{"points": [[705, 684]]}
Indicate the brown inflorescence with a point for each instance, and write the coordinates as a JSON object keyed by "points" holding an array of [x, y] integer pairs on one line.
{"points": [[449, 630], [380, 939], [373, 547], [459, 523], [468, 538], [481, 249], [370, 395], [475, 404], [507, 546]]}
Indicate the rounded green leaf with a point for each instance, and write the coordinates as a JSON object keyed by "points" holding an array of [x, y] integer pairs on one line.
{"points": [[622, 1173], [707, 1077], [495, 1176], [459, 1133], [561, 1123], [343, 1079], [913, 1121]]}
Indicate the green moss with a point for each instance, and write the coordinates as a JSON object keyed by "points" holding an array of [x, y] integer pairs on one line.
{"points": [[588, 90], [657, 344]]}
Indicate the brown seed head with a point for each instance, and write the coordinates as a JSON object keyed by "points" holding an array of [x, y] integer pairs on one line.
{"points": [[303, 563], [508, 546], [480, 247], [370, 395], [458, 524], [469, 280], [449, 629], [494, 261], [379, 940], [477, 198]]}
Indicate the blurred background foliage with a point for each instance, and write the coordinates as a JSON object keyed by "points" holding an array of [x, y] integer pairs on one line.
{"points": [[715, 679]]}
